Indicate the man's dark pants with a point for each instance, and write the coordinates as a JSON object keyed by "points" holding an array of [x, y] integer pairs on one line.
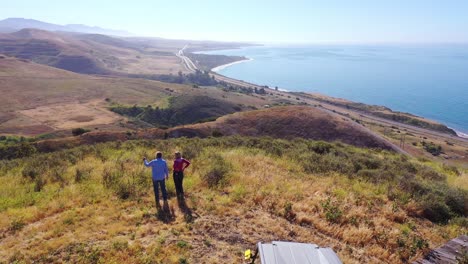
{"points": [[162, 184], [178, 178]]}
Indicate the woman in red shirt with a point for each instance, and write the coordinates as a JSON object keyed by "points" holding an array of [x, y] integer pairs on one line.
{"points": [[180, 164]]}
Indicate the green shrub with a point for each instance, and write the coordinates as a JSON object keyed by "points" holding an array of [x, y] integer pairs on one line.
{"points": [[19, 150], [415, 187], [79, 131], [183, 109], [218, 170], [376, 176], [451, 169], [38, 184], [92, 256], [81, 175], [432, 148], [124, 190], [182, 244], [17, 225], [330, 163], [435, 209], [190, 151], [110, 177], [457, 200], [321, 147], [288, 212], [431, 174], [216, 133], [332, 212], [31, 171], [120, 245]]}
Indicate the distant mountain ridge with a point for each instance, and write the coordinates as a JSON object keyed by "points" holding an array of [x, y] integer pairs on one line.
{"points": [[14, 24]]}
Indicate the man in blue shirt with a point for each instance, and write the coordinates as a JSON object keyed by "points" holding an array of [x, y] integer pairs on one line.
{"points": [[159, 175]]}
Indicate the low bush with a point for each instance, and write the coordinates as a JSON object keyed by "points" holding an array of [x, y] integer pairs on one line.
{"points": [[435, 150], [435, 209], [17, 225], [19, 150], [457, 201], [332, 211], [216, 133], [79, 131], [217, 172], [321, 147], [289, 213]]}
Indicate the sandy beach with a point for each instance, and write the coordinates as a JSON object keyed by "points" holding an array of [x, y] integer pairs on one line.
{"points": [[216, 69], [461, 134]]}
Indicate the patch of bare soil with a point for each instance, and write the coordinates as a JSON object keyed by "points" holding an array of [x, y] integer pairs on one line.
{"points": [[71, 115]]}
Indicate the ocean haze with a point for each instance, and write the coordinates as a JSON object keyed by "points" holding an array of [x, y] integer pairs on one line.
{"points": [[426, 80]]}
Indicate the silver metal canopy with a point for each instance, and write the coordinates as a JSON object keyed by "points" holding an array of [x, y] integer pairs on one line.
{"points": [[279, 252]]}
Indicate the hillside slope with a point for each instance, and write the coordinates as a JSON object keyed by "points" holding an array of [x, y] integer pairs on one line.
{"points": [[90, 54], [291, 122], [14, 24], [95, 204], [101, 54], [39, 99], [33, 95]]}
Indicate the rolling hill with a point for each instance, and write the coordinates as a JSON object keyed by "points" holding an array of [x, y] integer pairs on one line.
{"points": [[90, 54], [98, 53], [41, 99], [289, 122], [297, 122], [15, 24]]}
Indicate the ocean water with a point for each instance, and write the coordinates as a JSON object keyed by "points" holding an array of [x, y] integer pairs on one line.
{"points": [[426, 80]]}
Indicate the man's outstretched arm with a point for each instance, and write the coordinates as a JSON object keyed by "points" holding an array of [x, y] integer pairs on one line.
{"points": [[147, 164]]}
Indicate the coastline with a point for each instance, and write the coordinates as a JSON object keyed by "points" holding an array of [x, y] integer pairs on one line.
{"points": [[459, 134], [218, 68], [224, 66]]}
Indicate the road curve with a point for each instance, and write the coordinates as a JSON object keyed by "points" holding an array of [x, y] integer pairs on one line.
{"points": [[189, 65]]}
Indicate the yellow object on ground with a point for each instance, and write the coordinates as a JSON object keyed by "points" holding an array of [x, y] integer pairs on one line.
{"points": [[248, 254]]}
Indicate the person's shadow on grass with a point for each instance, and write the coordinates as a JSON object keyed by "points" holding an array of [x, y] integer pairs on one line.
{"points": [[188, 215], [165, 214]]}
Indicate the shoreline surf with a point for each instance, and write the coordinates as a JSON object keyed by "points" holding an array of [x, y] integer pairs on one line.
{"points": [[221, 67], [460, 134]]}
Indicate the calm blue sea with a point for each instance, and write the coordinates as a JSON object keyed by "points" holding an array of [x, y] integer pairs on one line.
{"points": [[426, 80]]}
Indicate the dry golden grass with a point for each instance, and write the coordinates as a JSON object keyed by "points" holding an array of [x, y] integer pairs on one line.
{"points": [[40, 99], [263, 198], [72, 115], [294, 121]]}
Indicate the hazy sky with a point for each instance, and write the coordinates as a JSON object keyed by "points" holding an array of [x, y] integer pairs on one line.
{"points": [[262, 20]]}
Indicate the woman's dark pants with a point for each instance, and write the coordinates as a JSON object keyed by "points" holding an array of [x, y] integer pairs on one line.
{"points": [[178, 178]]}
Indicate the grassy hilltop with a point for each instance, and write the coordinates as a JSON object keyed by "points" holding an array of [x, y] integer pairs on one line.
{"points": [[94, 204]]}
